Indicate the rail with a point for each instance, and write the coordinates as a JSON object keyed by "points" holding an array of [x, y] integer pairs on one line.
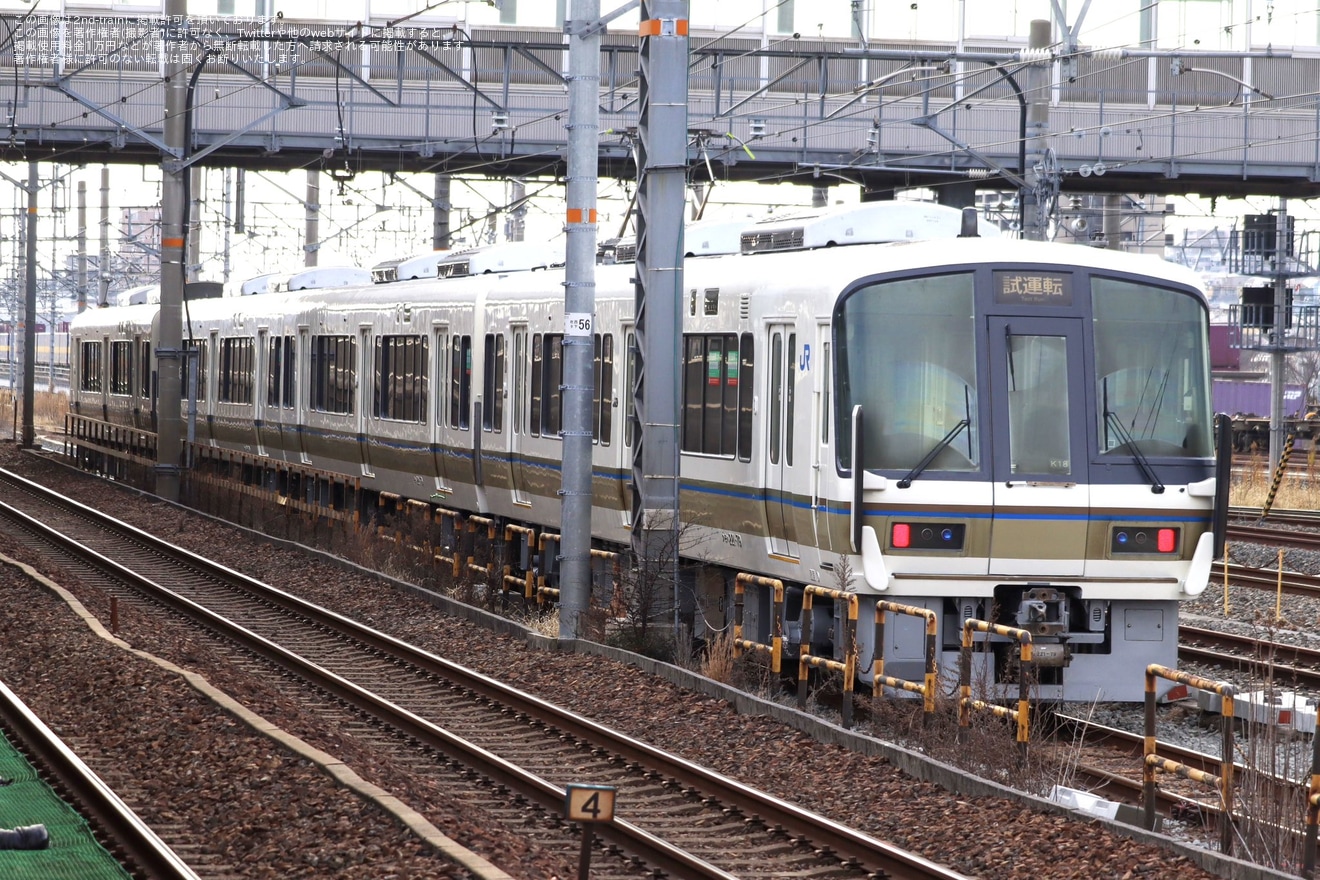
{"points": [[137, 843]]}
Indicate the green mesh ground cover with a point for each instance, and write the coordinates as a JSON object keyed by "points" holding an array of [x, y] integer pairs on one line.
{"points": [[73, 853]]}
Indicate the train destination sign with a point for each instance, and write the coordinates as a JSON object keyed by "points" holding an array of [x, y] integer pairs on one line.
{"points": [[1027, 288]]}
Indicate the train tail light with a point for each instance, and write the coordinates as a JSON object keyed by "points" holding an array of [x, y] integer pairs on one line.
{"points": [[927, 536], [1144, 539]]}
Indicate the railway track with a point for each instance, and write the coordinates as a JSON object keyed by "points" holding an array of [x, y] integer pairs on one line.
{"points": [[137, 847], [507, 752]]}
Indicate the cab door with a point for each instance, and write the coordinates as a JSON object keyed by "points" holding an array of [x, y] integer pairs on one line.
{"points": [[1041, 491]]}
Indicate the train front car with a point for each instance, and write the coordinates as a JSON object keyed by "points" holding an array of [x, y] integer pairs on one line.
{"points": [[1037, 450]]}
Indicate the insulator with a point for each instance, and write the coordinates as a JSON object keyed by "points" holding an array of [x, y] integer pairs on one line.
{"points": [[978, 173], [1034, 55]]}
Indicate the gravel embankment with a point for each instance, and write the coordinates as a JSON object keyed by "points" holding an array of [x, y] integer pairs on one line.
{"points": [[281, 818]]}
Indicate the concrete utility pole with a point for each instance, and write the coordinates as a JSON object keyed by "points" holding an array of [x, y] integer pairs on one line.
{"points": [[1034, 221], [661, 193], [103, 261], [29, 320], [312, 215], [82, 246], [579, 312], [171, 359], [440, 208]]}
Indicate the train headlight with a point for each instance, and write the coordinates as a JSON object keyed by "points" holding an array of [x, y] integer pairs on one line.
{"points": [[927, 536], [1144, 539]]}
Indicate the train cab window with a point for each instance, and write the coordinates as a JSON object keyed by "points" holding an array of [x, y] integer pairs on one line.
{"points": [[492, 408], [121, 368], [89, 367], [1152, 390], [460, 382], [333, 374], [906, 352], [400, 386], [235, 370]]}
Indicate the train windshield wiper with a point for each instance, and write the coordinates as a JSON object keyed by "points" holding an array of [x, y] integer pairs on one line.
{"points": [[936, 450], [1112, 419]]}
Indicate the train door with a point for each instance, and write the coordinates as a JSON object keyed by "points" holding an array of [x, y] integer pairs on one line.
{"points": [[779, 465], [1040, 472], [368, 385], [521, 393], [440, 400], [821, 461]]}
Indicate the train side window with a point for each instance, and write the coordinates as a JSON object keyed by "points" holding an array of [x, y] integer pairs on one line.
{"points": [[547, 377], [290, 371], [121, 368], [400, 390], [274, 369], [602, 401], [717, 395], [492, 413], [144, 368], [630, 405], [89, 367], [519, 378], [199, 346], [235, 370], [332, 374], [460, 383]]}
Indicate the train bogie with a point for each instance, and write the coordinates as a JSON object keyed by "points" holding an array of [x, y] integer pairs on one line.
{"points": [[985, 429]]}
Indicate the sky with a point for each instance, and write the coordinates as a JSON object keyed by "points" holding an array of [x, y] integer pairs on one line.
{"points": [[374, 217]]}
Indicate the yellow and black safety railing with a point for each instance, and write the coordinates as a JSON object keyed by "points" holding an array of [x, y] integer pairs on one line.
{"points": [[1312, 811], [1152, 762], [880, 681], [1278, 475], [455, 558], [1022, 714], [525, 582], [545, 593], [806, 660], [776, 646]]}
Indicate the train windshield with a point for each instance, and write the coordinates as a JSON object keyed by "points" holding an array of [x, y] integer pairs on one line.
{"points": [[907, 355], [1152, 389]]}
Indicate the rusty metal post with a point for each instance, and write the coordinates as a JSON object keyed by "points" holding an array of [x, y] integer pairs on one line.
{"points": [[1148, 752], [804, 649]]}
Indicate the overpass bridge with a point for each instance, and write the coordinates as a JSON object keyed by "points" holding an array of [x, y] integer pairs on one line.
{"points": [[493, 101]]}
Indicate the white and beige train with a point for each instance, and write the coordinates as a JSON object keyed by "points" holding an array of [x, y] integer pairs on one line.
{"points": [[1037, 446]]}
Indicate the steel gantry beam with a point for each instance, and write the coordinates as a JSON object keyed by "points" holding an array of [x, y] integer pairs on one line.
{"points": [[493, 101]]}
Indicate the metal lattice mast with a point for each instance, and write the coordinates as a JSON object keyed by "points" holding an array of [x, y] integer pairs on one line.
{"points": [[661, 195]]}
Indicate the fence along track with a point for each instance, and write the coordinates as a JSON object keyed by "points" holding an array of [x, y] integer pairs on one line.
{"points": [[712, 814]]}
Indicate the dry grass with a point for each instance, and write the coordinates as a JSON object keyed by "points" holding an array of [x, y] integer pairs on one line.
{"points": [[48, 411], [1299, 489], [718, 662]]}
